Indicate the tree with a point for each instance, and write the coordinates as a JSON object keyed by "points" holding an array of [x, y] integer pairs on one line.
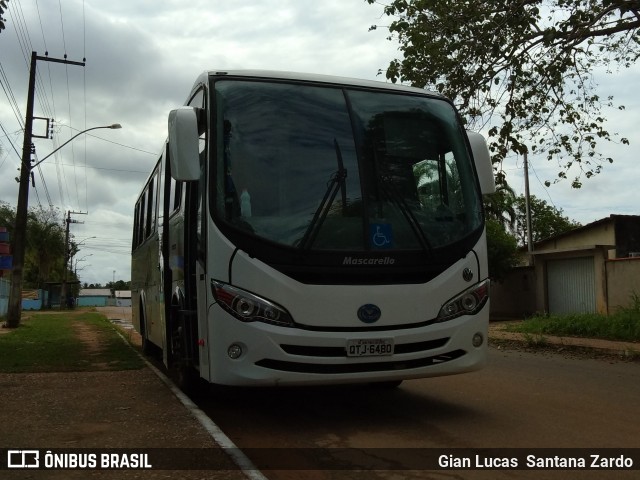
{"points": [[521, 69], [44, 255], [500, 206], [3, 5], [118, 285], [502, 250], [546, 220]]}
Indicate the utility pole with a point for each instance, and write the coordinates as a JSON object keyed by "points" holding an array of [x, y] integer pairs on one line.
{"points": [[14, 310], [527, 202], [67, 256]]}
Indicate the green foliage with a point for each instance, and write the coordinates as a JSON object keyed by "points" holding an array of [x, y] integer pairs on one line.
{"points": [[623, 325], [502, 250], [635, 304], [546, 220], [500, 206], [523, 70], [118, 285], [44, 255]]}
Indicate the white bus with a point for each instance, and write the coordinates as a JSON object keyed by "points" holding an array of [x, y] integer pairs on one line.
{"points": [[306, 229]]}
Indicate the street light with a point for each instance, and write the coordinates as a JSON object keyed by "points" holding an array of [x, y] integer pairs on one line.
{"points": [[73, 248], [114, 126], [81, 242], [18, 241], [81, 260]]}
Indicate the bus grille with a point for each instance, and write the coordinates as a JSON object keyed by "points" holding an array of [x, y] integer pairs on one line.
{"points": [[397, 365]]}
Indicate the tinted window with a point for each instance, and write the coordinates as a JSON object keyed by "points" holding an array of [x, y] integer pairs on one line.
{"points": [[342, 169]]}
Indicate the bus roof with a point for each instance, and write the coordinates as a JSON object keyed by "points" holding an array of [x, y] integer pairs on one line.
{"points": [[316, 78]]}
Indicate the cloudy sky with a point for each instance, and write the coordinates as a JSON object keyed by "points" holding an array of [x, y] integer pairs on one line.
{"points": [[142, 57]]}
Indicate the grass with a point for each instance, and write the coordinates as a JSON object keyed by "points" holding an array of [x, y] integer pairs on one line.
{"points": [[535, 340], [623, 325], [51, 343]]}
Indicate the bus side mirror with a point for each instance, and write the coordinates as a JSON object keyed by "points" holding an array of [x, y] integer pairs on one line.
{"points": [[482, 160], [184, 153]]}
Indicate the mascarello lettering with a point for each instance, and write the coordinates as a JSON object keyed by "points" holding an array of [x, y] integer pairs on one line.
{"points": [[368, 261]]}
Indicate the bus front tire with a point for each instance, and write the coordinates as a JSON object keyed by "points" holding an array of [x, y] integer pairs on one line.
{"points": [[188, 380], [147, 346]]}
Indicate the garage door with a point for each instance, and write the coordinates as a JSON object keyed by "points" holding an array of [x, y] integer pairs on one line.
{"points": [[571, 285]]}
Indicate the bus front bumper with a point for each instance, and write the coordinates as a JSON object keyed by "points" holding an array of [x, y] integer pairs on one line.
{"points": [[253, 354]]}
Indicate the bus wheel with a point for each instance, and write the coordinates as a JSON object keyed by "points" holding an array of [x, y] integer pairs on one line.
{"points": [[147, 346], [188, 380]]}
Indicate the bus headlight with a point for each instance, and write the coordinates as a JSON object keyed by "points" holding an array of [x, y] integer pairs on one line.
{"points": [[248, 307], [468, 302]]}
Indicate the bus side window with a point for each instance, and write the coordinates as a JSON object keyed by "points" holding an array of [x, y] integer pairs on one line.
{"points": [[177, 195], [160, 194], [142, 234], [152, 199], [136, 226]]}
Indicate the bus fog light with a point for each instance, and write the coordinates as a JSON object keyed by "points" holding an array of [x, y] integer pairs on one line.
{"points": [[234, 351], [477, 339]]}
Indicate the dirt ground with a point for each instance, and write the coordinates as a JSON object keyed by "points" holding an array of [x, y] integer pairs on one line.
{"points": [[98, 409]]}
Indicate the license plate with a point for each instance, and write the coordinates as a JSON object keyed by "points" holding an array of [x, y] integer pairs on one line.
{"points": [[369, 347]]}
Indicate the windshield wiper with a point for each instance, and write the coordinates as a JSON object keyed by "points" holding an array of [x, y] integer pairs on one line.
{"points": [[337, 181], [385, 183]]}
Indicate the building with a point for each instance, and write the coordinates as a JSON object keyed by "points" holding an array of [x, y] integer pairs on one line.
{"points": [[592, 268], [93, 297], [123, 298]]}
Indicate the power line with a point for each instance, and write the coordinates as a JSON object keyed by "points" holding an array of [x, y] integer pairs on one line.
{"points": [[107, 250], [44, 185], [24, 40], [10, 142], [6, 87], [543, 186], [64, 40], [145, 172], [44, 41]]}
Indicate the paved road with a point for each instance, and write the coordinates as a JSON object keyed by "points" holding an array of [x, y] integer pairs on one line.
{"points": [[520, 400]]}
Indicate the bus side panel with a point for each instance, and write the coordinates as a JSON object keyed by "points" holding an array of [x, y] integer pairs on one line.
{"points": [[146, 295]]}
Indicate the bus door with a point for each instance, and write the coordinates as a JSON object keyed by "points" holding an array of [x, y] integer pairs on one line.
{"points": [[196, 231], [194, 313], [198, 274]]}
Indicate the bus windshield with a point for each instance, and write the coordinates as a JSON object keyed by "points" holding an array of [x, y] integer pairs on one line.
{"points": [[337, 168]]}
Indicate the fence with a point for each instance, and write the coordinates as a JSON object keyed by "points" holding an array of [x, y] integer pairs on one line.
{"points": [[516, 296], [623, 282]]}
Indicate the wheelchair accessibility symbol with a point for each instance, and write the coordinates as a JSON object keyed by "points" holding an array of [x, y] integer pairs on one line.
{"points": [[381, 235]]}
